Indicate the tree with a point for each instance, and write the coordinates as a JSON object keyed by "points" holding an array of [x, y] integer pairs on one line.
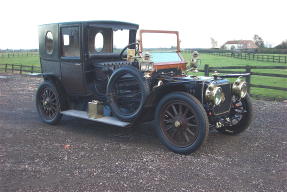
{"points": [[258, 41], [213, 43], [282, 45]]}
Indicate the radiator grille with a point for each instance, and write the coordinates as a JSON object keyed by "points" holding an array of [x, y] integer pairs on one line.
{"points": [[225, 106]]}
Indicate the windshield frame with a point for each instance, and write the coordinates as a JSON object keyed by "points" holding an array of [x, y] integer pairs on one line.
{"points": [[158, 31], [177, 51]]}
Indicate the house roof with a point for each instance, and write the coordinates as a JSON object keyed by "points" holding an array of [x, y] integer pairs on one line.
{"points": [[239, 42], [248, 43]]}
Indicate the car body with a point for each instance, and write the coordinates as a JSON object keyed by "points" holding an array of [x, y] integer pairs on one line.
{"points": [[83, 69]]}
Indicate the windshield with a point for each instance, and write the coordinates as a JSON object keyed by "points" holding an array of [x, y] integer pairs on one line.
{"points": [[161, 57], [161, 46]]}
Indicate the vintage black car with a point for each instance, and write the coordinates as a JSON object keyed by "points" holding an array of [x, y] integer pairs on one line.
{"points": [[87, 76]]}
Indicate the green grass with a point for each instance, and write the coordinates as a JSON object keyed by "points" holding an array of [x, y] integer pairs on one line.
{"points": [[24, 60], [220, 61]]}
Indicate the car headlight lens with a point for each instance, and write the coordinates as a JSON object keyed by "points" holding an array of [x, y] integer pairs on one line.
{"points": [[239, 88], [214, 94]]}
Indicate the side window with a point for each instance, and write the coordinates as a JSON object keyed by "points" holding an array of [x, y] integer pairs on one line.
{"points": [[70, 43], [49, 43], [99, 42]]}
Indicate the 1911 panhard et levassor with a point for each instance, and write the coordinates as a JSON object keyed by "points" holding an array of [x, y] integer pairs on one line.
{"points": [[87, 76]]}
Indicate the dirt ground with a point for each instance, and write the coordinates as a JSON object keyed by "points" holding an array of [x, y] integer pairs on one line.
{"points": [[79, 155]]}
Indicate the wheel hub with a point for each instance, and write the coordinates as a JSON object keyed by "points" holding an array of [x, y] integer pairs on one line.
{"points": [[47, 102], [177, 123]]}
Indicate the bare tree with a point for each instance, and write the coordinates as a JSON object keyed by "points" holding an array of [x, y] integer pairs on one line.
{"points": [[213, 43], [258, 41]]}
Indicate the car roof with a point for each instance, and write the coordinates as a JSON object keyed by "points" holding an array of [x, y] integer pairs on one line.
{"points": [[102, 23]]}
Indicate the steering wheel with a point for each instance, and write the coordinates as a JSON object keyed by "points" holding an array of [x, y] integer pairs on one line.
{"points": [[126, 47]]}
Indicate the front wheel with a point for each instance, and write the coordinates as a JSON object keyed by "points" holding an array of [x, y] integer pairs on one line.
{"points": [[181, 122], [240, 116]]}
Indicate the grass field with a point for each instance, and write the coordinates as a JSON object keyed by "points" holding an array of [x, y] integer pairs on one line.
{"points": [[24, 60], [212, 61]]}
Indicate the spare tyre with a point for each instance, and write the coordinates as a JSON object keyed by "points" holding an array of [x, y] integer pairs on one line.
{"points": [[127, 91]]}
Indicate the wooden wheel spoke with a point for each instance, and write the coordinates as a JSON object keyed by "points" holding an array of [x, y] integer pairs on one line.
{"points": [[186, 137], [168, 128], [168, 120], [185, 111], [190, 132], [169, 114], [174, 109], [191, 125], [180, 109], [174, 133], [190, 117]]}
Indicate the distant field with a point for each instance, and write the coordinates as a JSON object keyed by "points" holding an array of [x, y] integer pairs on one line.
{"points": [[211, 61]]}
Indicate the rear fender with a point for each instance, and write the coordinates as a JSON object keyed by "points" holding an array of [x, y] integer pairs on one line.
{"points": [[56, 81]]}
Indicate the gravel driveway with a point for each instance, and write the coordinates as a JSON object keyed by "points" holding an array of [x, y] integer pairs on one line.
{"points": [[79, 155]]}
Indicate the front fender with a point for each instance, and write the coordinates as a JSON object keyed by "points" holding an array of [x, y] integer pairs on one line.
{"points": [[159, 92]]}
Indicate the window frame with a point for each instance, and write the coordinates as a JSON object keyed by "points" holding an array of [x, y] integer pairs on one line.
{"points": [[49, 52], [61, 42]]}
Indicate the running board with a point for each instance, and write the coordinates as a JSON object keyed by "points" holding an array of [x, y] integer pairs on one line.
{"points": [[106, 120]]}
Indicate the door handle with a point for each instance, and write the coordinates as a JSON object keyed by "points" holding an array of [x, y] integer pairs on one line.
{"points": [[77, 64]]}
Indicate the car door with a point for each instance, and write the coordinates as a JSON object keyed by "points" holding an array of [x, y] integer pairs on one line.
{"points": [[71, 61]]}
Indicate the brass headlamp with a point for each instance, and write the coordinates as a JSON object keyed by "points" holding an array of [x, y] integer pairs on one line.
{"points": [[214, 94], [239, 88]]}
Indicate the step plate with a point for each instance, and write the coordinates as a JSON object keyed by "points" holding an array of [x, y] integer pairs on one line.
{"points": [[106, 120]]}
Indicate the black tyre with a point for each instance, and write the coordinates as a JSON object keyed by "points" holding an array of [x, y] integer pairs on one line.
{"points": [[181, 122], [240, 116], [127, 90], [49, 103]]}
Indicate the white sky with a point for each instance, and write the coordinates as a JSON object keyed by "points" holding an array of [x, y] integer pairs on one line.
{"points": [[197, 21]]}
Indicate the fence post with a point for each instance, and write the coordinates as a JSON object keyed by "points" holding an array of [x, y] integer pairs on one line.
{"points": [[273, 58], [12, 68], [206, 70], [32, 69], [248, 78], [6, 65], [21, 69]]}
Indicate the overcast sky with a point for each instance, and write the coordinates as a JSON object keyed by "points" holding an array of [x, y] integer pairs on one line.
{"points": [[197, 21]]}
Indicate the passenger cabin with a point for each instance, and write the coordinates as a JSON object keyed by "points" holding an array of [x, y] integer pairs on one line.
{"points": [[76, 53]]}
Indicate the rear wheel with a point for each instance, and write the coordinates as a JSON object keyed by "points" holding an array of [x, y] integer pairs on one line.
{"points": [[49, 103], [181, 122]]}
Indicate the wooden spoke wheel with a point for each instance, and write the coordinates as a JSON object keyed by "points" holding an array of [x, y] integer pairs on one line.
{"points": [[48, 103], [181, 122]]}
